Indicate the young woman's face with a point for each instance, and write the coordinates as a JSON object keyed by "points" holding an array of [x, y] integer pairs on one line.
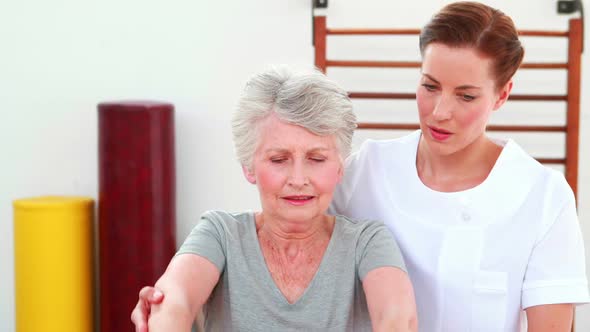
{"points": [[455, 97], [295, 170]]}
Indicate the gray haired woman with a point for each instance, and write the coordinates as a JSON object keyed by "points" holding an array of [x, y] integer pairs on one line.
{"points": [[291, 266]]}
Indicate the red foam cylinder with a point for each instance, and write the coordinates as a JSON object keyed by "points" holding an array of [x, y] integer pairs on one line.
{"points": [[136, 208]]}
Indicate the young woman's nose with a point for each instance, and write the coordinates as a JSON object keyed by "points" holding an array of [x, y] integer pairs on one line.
{"points": [[443, 108]]}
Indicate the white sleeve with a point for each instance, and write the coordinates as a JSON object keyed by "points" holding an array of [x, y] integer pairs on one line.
{"points": [[556, 271], [345, 188]]}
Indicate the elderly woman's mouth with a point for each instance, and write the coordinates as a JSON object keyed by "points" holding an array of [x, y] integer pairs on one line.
{"points": [[298, 199]]}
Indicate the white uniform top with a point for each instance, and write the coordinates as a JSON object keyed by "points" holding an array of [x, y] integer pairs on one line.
{"points": [[477, 257]]}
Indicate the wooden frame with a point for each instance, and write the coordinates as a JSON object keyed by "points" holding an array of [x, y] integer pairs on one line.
{"points": [[572, 98]]}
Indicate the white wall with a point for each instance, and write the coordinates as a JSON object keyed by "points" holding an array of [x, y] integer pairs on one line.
{"points": [[58, 59]]}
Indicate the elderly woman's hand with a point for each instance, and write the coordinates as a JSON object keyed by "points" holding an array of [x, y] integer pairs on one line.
{"points": [[141, 312]]}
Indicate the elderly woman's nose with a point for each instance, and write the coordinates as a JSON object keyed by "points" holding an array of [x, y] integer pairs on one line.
{"points": [[298, 174]]}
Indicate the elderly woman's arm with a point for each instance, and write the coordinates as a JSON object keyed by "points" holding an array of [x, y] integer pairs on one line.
{"points": [[187, 283], [390, 298]]}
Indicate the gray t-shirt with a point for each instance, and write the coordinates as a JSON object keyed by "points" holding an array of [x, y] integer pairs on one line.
{"points": [[246, 297]]}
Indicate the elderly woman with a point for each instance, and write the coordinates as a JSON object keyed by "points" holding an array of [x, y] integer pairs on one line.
{"points": [[291, 266]]}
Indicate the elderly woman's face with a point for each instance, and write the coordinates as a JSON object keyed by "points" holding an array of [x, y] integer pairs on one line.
{"points": [[295, 170]]}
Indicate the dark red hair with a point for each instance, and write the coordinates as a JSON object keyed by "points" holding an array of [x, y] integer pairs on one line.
{"points": [[489, 31]]}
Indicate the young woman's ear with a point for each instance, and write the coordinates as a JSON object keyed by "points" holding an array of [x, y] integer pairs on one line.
{"points": [[503, 95], [249, 175]]}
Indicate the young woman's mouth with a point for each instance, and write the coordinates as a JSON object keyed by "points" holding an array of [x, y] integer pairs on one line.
{"points": [[439, 134]]}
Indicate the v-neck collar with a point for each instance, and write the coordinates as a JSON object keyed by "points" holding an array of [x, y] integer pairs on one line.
{"points": [[267, 277]]}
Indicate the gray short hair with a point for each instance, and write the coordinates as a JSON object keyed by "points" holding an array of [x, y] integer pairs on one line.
{"points": [[307, 99]]}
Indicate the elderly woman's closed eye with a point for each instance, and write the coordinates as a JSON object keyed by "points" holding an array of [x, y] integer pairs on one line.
{"points": [[291, 266]]}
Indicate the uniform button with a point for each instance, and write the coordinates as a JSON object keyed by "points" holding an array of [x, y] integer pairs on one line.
{"points": [[466, 217]]}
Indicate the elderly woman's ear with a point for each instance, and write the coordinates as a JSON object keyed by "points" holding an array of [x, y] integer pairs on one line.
{"points": [[249, 175]]}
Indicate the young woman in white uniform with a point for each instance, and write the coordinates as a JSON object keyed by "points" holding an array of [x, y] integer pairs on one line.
{"points": [[486, 231]]}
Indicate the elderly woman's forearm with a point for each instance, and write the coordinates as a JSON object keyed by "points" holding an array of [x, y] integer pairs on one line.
{"points": [[170, 316], [187, 283]]}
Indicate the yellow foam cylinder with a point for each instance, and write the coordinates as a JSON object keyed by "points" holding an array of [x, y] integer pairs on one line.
{"points": [[53, 248]]}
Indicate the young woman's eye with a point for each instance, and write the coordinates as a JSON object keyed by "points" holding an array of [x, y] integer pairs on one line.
{"points": [[429, 87], [467, 97]]}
